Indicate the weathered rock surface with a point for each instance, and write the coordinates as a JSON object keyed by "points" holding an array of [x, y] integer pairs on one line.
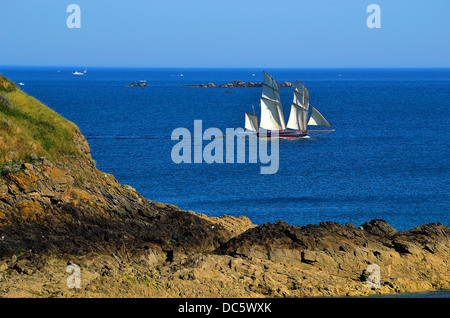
{"points": [[271, 260], [73, 208]]}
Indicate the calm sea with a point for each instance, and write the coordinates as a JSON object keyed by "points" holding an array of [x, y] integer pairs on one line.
{"points": [[388, 158]]}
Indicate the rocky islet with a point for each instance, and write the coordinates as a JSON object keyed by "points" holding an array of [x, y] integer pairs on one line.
{"points": [[237, 83]]}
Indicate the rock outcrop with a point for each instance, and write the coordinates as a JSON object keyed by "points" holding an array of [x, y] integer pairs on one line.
{"points": [[270, 260], [137, 84], [71, 207]]}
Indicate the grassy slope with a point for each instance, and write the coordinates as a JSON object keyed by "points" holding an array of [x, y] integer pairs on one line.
{"points": [[30, 127]]}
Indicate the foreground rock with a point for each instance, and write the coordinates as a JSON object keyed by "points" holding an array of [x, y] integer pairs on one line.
{"points": [[270, 260]]}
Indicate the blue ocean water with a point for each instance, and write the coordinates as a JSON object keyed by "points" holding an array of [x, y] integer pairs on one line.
{"points": [[387, 159]]}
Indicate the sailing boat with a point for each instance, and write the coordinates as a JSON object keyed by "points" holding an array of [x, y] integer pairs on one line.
{"points": [[272, 118]]}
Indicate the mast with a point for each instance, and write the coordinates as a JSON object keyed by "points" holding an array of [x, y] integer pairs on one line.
{"points": [[303, 115], [256, 119]]}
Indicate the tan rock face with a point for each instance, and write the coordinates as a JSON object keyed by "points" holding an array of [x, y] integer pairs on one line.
{"points": [[271, 260]]}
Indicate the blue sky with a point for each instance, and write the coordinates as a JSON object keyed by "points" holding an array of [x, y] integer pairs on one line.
{"points": [[234, 33]]}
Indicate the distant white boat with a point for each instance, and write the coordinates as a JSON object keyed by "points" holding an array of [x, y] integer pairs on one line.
{"points": [[21, 84], [79, 73]]}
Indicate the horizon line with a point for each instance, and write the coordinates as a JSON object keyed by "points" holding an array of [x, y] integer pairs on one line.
{"points": [[228, 67]]}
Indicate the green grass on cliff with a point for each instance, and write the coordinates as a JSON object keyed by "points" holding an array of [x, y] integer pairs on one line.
{"points": [[29, 127]]}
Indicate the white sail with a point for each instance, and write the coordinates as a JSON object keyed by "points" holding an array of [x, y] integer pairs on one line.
{"points": [[302, 108], [317, 119], [270, 91], [270, 82], [270, 88], [296, 118], [281, 116], [298, 98], [301, 97], [270, 118], [251, 122], [303, 92]]}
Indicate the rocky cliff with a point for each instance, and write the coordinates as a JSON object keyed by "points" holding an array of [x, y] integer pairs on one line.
{"points": [[57, 209]]}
